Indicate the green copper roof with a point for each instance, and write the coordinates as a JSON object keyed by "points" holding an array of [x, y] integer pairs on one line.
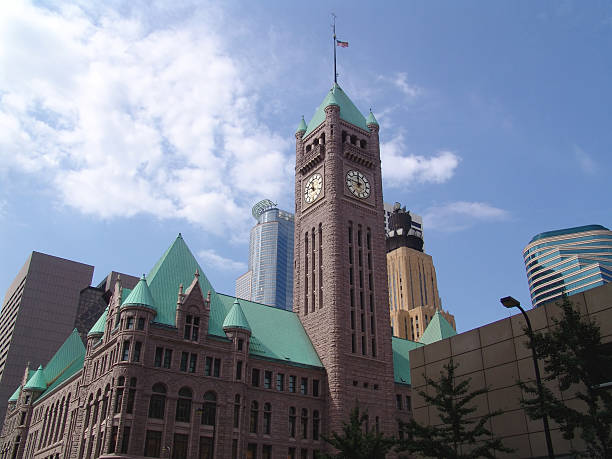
{"points": [[371, 120], [178, 266], [276, 333], [235, 318], [141, 295], [302, 126], [348, 111], [401, 362], [37, 382], [15, 395], [438, 329], [99, 325], [67, 361]]}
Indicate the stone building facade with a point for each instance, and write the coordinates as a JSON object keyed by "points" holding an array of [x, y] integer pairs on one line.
{"points": [[174, 369]]}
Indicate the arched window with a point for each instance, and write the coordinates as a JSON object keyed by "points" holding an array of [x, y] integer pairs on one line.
{"points": [[183, 405], [315, 425], [267, 418], [59, 419], [254, 416], [105, 401], [96, 407], [209, 411], [292, 418], [304, 423], [158, 401], [236, 411], [88, 411], [66, 409]]}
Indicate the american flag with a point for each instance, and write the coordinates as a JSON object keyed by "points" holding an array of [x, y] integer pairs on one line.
{"points": [[342, 44]]}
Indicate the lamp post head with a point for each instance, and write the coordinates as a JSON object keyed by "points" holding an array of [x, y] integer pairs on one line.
{"points": [[509, 302]]}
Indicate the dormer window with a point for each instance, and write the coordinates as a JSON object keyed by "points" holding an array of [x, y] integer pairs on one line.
{"points": [[192, 328]]}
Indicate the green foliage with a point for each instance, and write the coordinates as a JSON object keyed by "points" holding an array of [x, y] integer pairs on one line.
{"points": [[453, 402], [358, 442], [573, 354]]}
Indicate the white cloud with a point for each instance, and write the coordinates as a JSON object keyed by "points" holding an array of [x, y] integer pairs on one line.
{"points": [[400, 170], [121, 118], [585, 161], [211, 259], [460, 215], [400, 80]]}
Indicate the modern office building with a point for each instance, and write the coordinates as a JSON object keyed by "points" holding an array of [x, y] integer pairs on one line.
{"points": [[568, 261], [416, 220], [269, 279], [174, 369], [413, 289], [49, 297]]}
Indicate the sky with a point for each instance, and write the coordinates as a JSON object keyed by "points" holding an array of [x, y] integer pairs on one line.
{"points": [[125, 123]]}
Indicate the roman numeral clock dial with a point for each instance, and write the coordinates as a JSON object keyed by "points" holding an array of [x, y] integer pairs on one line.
{"points": [[313, 187], [358, 184]]}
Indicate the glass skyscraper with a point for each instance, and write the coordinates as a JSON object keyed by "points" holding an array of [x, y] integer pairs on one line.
{"points": [[568, 261], [269, 279]]}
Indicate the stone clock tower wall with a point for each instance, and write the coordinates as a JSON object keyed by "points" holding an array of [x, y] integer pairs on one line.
{"points": [[340, 281]]}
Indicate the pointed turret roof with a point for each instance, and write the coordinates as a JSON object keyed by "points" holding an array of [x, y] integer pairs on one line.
{"points": [[438, 329], [98, 327], [302, 126], [141, 295], [371, 119], [15, 396], [348, 111], [37, 382], [235, 318]]}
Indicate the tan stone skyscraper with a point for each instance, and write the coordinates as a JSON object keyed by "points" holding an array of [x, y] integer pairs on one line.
{"points": [[413, 287]]}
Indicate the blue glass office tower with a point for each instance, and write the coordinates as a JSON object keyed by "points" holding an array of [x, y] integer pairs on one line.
{"points": [[269, 279], [568, 261]]}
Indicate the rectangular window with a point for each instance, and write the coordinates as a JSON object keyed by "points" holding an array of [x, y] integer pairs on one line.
{"points": [[315, 387], [208, 366], [304, 386], [118, 399], [304, 454], [217, 368], [292, 383], [129, 406], [255, 377], [266, 452], [179, 451], [125, 441], [184, 360], [125, 353], [291, 453], [113, 441], [267, 379], [252, 451], [167, 358], [408, 403], [193, 361], [137, 348], [280, 381], [206, 448], [398, 400], [141, 323], [239, 370], [129, 324], [159, 353]]}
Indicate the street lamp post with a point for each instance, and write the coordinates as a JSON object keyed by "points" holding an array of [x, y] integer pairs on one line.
{"points": [[509, 302]]}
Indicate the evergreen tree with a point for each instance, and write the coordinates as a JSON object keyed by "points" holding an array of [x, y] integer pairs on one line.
{"points": [[454, 404], [357, 441], [572, 352]]}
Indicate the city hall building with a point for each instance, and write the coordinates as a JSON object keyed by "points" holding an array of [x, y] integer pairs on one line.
{"points": [[175, 369]]}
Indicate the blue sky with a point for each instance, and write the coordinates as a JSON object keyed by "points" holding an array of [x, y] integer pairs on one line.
{"points": [[124, 124]]}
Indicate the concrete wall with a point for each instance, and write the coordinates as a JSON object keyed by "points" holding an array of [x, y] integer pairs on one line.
{"points": [[495, 356]]}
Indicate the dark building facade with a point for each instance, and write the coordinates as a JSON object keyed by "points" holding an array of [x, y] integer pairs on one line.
{"points": [[174, 369]]}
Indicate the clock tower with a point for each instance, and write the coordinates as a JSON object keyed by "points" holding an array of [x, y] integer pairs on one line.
{"points": [[340, 280]]}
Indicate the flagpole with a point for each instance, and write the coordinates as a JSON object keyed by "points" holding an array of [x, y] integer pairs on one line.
{"points": [[334, 39]]}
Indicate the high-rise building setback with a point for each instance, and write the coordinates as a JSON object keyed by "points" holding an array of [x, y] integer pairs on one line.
{"points": [[413, 288], [568, 261], [269, 279]]}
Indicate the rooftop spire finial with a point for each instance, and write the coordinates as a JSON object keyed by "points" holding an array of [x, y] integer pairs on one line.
{"points": [[334, 37]]}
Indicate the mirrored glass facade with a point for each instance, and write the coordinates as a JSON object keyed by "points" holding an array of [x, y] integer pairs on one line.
{"points": [[568, 261], [269, 279]]}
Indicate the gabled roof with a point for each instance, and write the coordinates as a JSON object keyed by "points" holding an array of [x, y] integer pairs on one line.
{"points": [[100, 324], [438, 329], [235, 318], [348, 111], [140, 295], [401, 362], [275, 333]]}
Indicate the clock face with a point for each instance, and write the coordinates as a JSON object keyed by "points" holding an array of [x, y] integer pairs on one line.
{"points": [[358, 184], [313, 188]]}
